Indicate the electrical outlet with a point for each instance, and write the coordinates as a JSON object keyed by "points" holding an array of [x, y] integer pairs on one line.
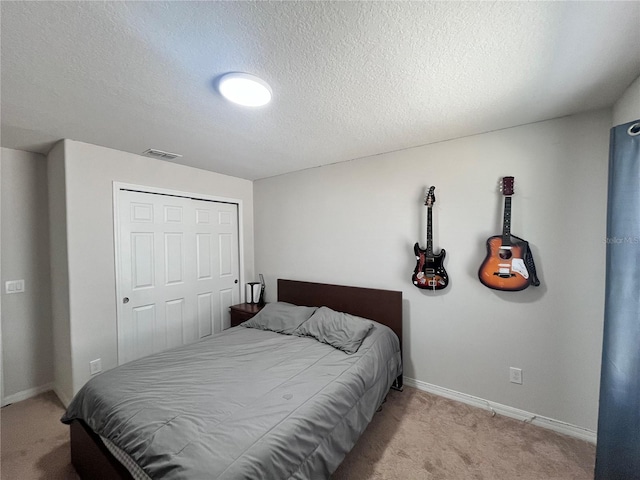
{"points": [[515, 375], [95, 366]]}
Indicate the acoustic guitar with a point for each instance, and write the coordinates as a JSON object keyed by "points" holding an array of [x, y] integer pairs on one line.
{"points": [[429, 273], [505, 266]]}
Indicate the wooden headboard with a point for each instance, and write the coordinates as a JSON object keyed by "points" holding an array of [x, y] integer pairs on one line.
{"points": [[382, 306]]}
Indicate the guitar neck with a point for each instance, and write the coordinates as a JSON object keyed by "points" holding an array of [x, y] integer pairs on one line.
{"points": [[429, 233], [506, 222]]}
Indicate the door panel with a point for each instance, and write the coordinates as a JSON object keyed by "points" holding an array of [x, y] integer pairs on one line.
{"points": [[142, 259], [141, 212], [205, 314], [226, 254], [144, 319], [172, 214], [178, 271], [174, 261], [226, 300], [174, 318], [203, 259]]}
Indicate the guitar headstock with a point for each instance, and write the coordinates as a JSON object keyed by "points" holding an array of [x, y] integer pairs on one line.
{"points": [[506, 186], [430, 198]]}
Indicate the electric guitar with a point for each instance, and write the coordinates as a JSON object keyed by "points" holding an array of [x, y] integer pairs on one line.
{"points": [[505, 266], [429, 273]]}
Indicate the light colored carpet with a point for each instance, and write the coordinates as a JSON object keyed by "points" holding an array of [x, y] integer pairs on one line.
{"points": [[35, 445], [423, 436], [415, 436]]}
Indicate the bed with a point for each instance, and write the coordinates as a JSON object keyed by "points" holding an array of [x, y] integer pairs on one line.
{"points": [[246, 403]]}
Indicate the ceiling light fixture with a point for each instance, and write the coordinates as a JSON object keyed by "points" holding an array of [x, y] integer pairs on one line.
{"points": [[244, 89]]}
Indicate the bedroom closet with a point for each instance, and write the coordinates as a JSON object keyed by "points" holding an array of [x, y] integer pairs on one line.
{"points": [[178, 269]]}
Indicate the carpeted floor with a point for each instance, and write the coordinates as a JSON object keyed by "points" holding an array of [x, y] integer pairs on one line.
{"points": [[415, 436], [423, 436], [35, 445]]}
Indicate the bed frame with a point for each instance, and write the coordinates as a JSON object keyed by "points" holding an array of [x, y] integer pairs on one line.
{"points": [[92, 460]]}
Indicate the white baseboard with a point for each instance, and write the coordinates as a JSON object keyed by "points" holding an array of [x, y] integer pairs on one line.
{"points": [[545, 422], [25, 394]]}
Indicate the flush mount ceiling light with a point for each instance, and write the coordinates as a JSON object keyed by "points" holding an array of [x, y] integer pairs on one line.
{"points": [[244, 89]]}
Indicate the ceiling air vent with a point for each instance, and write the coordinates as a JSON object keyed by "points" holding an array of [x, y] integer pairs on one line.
{"points": [[152, 152]]}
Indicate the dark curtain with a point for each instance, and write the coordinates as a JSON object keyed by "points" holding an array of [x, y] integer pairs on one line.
{"points": [[618, 449]]}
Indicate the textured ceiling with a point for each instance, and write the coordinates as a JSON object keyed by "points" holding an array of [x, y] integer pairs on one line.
{"points": [[350, 79]]}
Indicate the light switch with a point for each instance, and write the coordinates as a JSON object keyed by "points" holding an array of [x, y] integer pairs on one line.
{"points": [[14, 286]]}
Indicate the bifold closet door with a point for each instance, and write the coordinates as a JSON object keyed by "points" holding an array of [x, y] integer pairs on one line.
{"points": [[178, 270]]}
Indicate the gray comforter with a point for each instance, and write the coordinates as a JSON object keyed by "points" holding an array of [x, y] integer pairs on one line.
{"points": [[244, 404]]}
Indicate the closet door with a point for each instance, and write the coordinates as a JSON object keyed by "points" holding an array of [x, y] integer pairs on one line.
{"points": [[178, 270]]}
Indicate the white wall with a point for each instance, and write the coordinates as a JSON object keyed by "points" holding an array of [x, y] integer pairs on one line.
{"points": [[355, 223], [89, 175], [627, 108], [26, 318], [61, 318]]}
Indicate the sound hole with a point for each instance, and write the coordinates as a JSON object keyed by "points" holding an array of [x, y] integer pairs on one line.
{"points": [[504, 253]]}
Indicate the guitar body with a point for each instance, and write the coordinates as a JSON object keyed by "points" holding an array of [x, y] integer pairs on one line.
{"points": [[504, 268], [429, 273]]}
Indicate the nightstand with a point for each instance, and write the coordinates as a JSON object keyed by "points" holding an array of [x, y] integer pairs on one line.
{"points": [[243, 312]]}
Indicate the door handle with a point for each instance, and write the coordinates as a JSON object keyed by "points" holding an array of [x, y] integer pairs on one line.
{"points": [[235, 281], [125, 300]]}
